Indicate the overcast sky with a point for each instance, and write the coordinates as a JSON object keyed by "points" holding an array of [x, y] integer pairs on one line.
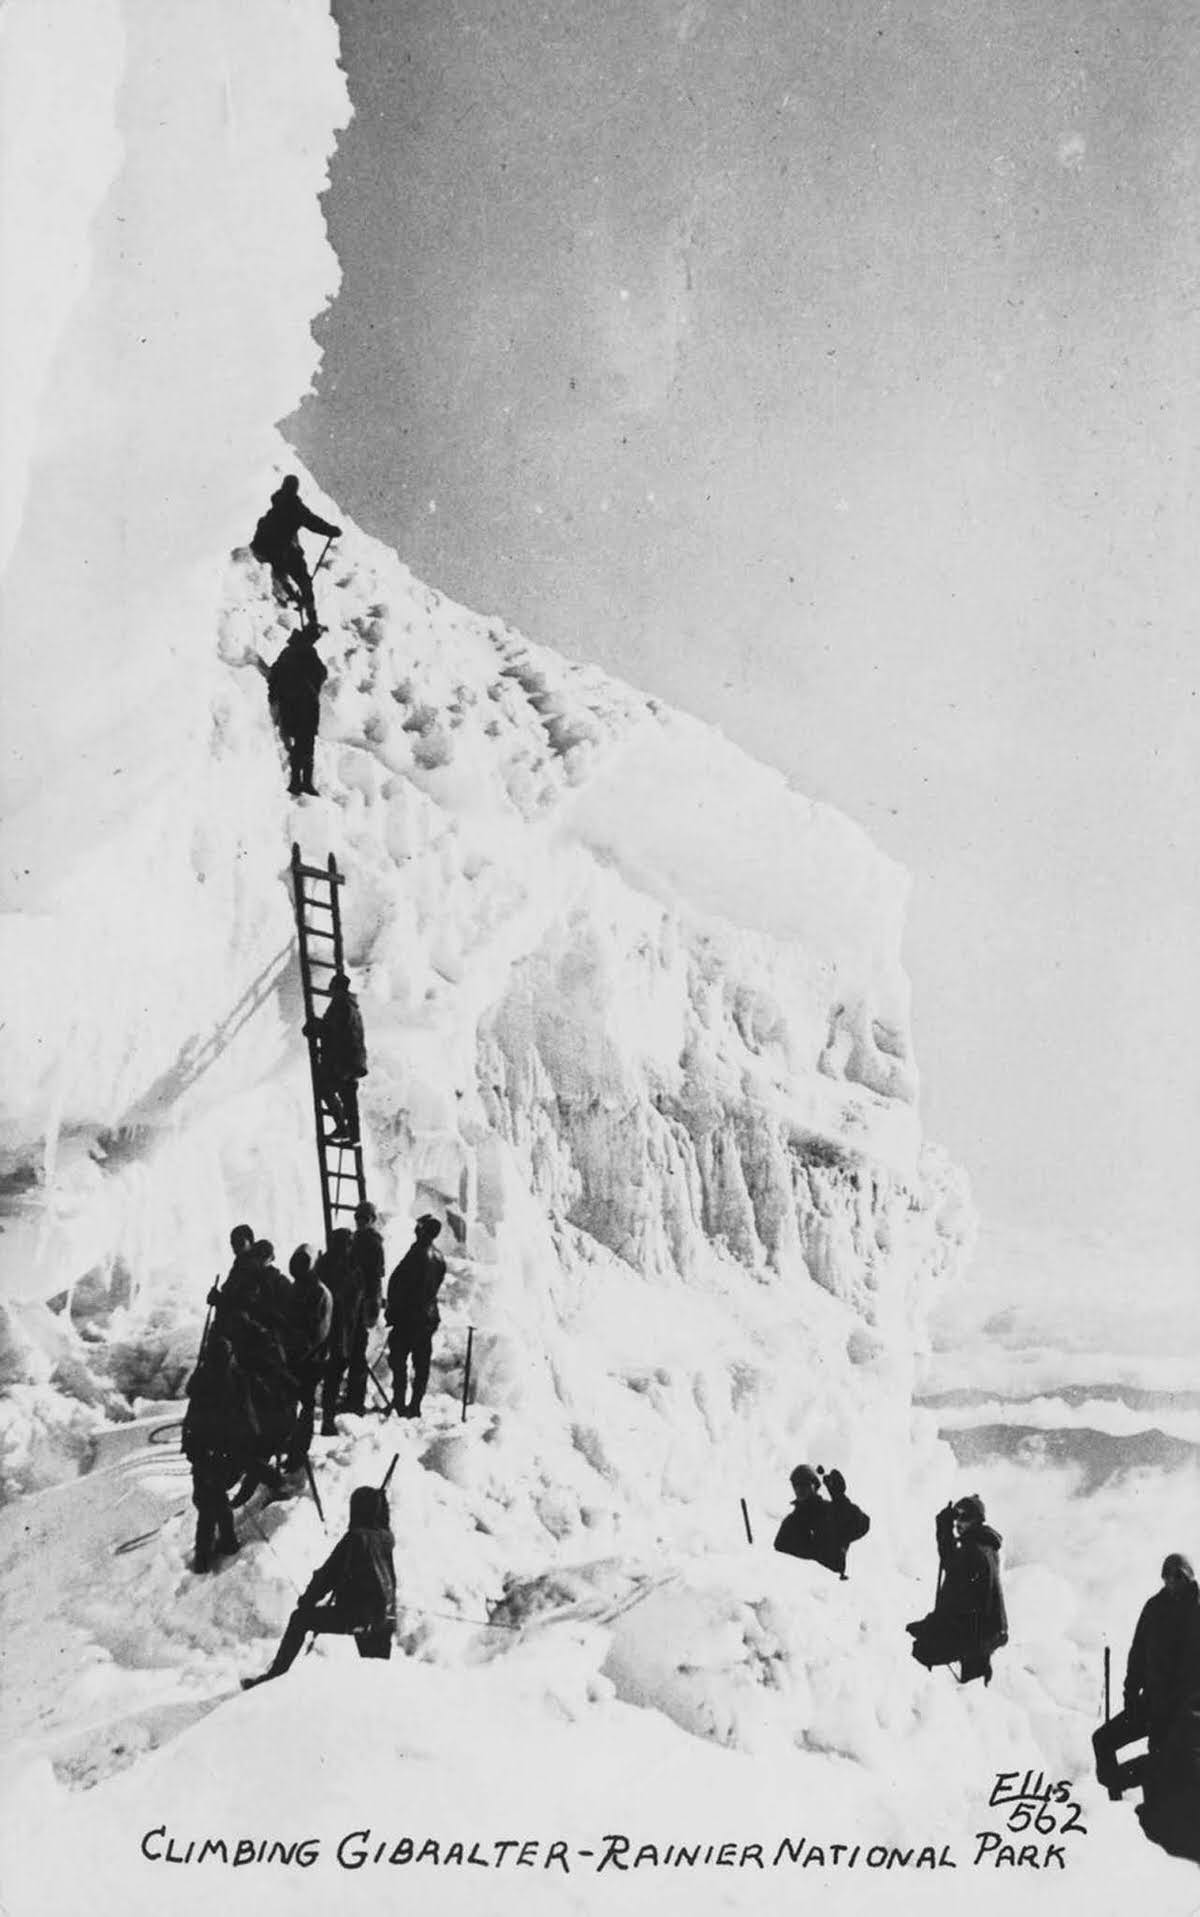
{"points": [[829, 368]]}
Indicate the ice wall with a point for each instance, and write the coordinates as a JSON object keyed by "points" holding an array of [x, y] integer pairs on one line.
{"points": [[637, 1015]]}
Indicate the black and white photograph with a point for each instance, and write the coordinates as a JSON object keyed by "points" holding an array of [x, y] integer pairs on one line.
{"points": [[599, 937]]}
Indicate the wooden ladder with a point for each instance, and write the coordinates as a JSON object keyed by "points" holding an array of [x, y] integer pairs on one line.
{"points": [[315, 893]]}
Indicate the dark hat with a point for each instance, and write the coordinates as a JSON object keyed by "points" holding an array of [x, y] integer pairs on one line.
{"points": [[302, 1261], [339, 982], [368, 1505], [241, 1237], [429, 1225], [289, 484], [263, 1250], [804, 1478], [970, 1509], [1176, 1565], [365, 1214]]}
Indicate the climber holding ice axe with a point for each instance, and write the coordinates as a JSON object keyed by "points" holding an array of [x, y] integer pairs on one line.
{"points": [[353, 1594], [276, 543]]}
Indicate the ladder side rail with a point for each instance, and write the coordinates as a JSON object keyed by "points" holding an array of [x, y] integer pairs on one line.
{"points": [[310, 1037], [333, 879]]}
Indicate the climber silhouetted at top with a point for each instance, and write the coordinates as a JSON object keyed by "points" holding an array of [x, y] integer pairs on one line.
{"points": [[968, 1621], [276, 543], [294, 690], [817, 1527]]}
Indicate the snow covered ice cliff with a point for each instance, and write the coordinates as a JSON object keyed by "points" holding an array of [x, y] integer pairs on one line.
{"points": [[638, 1028]]}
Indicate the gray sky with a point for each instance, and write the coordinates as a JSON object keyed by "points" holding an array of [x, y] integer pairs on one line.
{"points": [[829, 368]]}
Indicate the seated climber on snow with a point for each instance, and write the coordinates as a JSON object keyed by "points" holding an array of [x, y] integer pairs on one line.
{"points": [[822, 1528], [968, 1621], [353, 1594]]}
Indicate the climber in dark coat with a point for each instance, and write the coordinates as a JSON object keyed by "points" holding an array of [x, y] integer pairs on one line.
{"points": [[294, 690], [336, 1272], [1151, 1680], [307, 1346], [413, 1315], [216, 1442], [1170, 1807], [359, 1581], [821, 1528], [968, 1621], [276, 543], [341, 1057], [254, 1292], [274, 1391], [365, 1259]]}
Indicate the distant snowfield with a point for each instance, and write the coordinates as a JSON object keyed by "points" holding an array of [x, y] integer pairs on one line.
{"points": [[639, 1029]]}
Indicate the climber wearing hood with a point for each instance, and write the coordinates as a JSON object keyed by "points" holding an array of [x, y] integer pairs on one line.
{"points": [[1152, 1678], [353, 1594], [822, 1528], [276, 543], [968, 1621]]}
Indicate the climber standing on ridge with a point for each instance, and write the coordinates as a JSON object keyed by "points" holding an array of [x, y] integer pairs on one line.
{"points": [[341, 1058], [294, 690], [276, 543], [413, 1315], [1151, 1681], [359, 1580], [817, 1527], [968, 1621]]}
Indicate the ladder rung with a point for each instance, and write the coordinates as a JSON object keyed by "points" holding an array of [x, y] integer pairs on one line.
{"points": [[320, 872], [318, 932], [316, 905]]}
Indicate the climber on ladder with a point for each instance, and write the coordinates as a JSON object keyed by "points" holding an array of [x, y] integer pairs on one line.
{"points": [[336, 1049], [342, 1058]]}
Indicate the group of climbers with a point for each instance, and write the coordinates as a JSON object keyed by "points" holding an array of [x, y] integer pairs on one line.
{"points": [[273, 1343], [968, 1620]]}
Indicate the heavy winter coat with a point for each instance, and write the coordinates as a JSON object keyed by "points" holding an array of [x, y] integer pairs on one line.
{"points": [[970, 1592], [413, 1288], [822, 1529], [359, 1575], [337, 1274], [367, 1265], [219, 1429], [1153, 1669], [308, 1328], [343, 1044], [294, 688], [279, 528]]}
